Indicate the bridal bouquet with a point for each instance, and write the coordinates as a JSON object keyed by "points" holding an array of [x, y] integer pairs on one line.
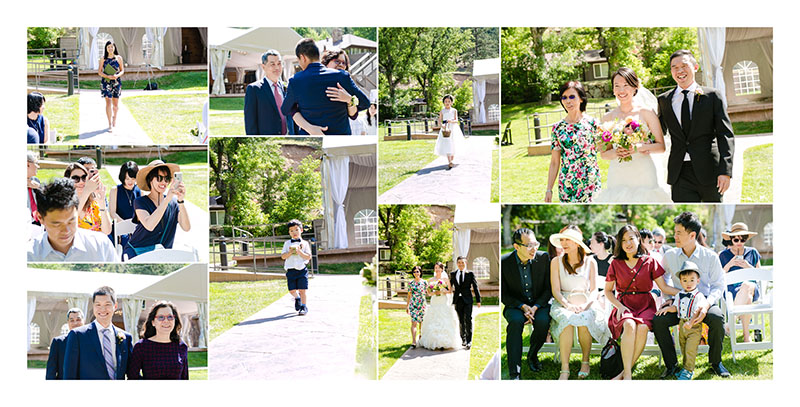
{"points": [[439, 286], [628, 134]]}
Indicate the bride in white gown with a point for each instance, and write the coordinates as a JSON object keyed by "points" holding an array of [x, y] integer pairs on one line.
{"points": [[636, 180], [440, 324]]}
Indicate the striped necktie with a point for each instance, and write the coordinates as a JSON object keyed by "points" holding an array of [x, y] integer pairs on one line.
{"points": [[107, 353]]}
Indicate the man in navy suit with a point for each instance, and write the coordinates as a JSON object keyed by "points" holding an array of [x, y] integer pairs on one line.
{"points": [[262, 115], [307, 93], [98, 351], [55, 361]]}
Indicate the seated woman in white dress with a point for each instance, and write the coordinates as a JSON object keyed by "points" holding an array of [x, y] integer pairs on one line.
{"points": [[636, 180], [440, 327], [448, 144], [573, 278]]}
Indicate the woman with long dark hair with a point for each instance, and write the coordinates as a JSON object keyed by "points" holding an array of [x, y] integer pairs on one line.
{"points": [[122, 196], [160, 354], [110, 70]]}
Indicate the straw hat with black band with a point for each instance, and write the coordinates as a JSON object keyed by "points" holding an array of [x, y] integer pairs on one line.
{"points": [[570, 234], [141, 176], [738, 229]]}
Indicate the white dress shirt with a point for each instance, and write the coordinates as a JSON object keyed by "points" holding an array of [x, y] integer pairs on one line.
{"points": [[712, 277], [87, 247], [295, 261], [111, 332], [677, 104]]}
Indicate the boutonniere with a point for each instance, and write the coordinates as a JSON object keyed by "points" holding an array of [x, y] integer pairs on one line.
{"points": [[699, 92], [120, 337]]}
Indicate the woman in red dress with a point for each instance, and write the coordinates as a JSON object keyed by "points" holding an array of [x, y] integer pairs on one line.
{"points": [[631, 274]]}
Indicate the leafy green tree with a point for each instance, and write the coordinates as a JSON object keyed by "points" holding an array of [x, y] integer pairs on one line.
{"points": [[44, 37], [463, 97], [302, 193], [438, 51], [412, 236], [486, 45], [396, 60]]}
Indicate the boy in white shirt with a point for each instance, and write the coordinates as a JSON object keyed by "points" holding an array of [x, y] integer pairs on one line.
{"points": [[689, 302], [295, 254]]}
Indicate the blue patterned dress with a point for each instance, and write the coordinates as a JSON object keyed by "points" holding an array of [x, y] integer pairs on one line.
{"points": [[111, 88]]}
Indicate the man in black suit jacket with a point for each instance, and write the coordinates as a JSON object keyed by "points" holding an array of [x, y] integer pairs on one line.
{"points": [[701, 157], [463, 284], [525, 293], [262, 115], [55, 361]]}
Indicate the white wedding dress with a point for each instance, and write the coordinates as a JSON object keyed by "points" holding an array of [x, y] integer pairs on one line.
{"points": [[440, 324]]}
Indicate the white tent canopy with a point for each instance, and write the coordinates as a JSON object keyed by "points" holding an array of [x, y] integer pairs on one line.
{"points": [[477, 216], [477, 234], [486, 74], [348, 185]]}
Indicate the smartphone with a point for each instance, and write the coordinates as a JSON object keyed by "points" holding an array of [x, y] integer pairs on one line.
{"points": [[179, 177]]}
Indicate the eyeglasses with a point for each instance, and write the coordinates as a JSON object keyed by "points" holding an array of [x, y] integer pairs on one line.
{"points": [[161, 318], [570, 97], [77, 178], [738, 239], [532, 245], [340, 62], [163, 178]]}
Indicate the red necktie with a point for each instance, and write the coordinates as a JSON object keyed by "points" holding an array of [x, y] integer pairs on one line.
{"points": [[279, 101], [33, 202]]}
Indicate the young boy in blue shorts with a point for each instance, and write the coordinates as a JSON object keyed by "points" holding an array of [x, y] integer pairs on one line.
{"points": [[295, 254]]}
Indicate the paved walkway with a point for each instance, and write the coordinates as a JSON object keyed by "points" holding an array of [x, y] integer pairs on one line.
{"points": [[277, 343], [734, 193], [424, 364], [94, 123], [469, 181], [197, 236]]}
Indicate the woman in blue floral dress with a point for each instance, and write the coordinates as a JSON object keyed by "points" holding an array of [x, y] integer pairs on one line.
{"points": [[416, 302], [574, 150], [110, 70]]}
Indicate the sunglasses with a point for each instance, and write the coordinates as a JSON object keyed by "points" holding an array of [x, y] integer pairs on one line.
{"points": [[570, 97], [78, 178], [161, 318], [163, 178], [738, 239]]}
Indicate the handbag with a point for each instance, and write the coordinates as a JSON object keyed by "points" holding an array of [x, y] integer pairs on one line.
{"points": [[446, 130], [610, 360]]}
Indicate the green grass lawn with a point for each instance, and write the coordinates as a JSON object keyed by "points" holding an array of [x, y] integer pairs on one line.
{"points": [[226, 116], [742, 128], [181, 158], [394, 338], [485, 341], [495, 175], [749, 365], [366, 358], [340, 268], [231, 303], [401, 159], [167, 119], [175, 81], [196, 359], [757, 182], [63, 112]]}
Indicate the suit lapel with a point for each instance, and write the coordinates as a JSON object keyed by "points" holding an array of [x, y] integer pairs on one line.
{"points": [[672, 120], [698, 107], [94, 339]]}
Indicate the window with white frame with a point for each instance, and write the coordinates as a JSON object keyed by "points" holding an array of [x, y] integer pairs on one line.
{"points": [[100, 42], [35, 334], [147, 48], [494, 113], [365, 227], [480, 266], [745, 78], [600, 70], [768, 234], [64, 329]]}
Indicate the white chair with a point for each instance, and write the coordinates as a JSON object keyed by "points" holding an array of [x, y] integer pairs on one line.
{"points": [[166, 256], [120, 229], [761, 311]]}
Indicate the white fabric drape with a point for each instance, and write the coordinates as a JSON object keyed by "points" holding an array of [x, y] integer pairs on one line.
{"points": [[461, 239], [156, 37], [723, 218], [219, 57], [338, 172], [478, 97], [175, 42], [94, 58], [203, 35], [128, 35], [202, 314], [239, 74], [131, 309], [81, 303], [31, 312], [711, 41]]}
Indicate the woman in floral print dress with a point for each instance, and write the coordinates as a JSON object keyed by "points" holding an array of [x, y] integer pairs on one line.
{"points": [[574, 150], [416, 302]]}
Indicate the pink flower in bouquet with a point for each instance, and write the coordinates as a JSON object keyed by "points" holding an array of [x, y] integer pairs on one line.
{"points": [[606, 136], [628, 130]]}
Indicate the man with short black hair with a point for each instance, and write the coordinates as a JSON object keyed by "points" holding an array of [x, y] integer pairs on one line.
{"points": [[307, 93], [63, 240], [464, 283], [55, 360], [98, 351], [525, 292], [263, 99]]}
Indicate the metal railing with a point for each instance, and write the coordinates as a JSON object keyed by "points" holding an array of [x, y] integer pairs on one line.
{"points": [[53, 67], [390, 284], [540, 123], [256, 250], [425, 125]]}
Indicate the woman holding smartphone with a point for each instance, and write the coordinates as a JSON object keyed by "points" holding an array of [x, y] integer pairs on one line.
{"points": [[160, 212]]}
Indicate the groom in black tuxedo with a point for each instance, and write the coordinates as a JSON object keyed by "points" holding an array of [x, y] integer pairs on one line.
{"points": [[525, 292], [701, 158], [463, 284]]}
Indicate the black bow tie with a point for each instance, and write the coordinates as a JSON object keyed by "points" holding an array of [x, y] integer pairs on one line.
{"points": [[685, 295], [296, 240]]}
